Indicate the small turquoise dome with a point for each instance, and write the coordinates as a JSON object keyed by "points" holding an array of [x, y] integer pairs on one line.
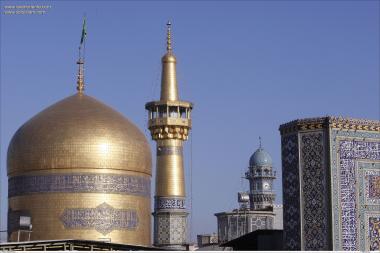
{"points": [[260, 158]]}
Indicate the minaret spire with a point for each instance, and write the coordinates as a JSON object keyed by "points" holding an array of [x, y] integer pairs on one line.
{"points": [[169, 89], [169, 37]]}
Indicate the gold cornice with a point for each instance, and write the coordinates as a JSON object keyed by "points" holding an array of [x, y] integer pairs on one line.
{"points": [[330, 122]]}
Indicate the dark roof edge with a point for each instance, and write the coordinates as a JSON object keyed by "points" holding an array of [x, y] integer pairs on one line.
{"points": [[79, 241], [250, 235]]}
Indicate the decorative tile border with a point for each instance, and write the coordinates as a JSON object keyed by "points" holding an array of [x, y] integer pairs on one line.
{"points": [[79, 183], [348, 205], [169, 203], [169, 150], [291, 194], [327, 122], [365, 208], [104, 218], [314, 191]]}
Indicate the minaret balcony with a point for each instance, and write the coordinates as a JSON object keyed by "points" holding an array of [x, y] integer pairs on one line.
{"points": [[154, 105], [256, 175], [180, 122]]}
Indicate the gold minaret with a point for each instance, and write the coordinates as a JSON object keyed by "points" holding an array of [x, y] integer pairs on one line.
{"points": [[169, 124]]}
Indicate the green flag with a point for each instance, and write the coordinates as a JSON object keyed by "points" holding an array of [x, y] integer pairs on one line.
{"points": [[84, 32]]}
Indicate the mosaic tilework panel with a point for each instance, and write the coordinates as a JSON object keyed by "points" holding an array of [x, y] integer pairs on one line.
{"points": [[96, 183], [314, 192], [178, 229], [374, 233], [170, 229], [349, 151], [104, 218], [261, 222], [169, 203], [169, 150], [336, 136], [290, 182], [161, 230], [372, 187], [365, 209]]}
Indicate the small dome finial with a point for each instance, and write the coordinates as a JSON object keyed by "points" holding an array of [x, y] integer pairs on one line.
{"points": [[169, 37], [260, 142]]}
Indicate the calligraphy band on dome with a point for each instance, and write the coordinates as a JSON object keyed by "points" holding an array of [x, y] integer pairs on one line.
{"points": [[104, 218], [79, 183]]}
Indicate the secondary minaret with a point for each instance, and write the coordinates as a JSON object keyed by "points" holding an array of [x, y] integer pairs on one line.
{"points": [[169, 124], [261, 175]]}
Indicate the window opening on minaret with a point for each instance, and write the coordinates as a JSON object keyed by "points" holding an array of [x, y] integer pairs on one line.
{"points": [[173, 112]]}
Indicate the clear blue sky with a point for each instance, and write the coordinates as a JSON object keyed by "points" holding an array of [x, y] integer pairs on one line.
{"points": [[248, 66]]}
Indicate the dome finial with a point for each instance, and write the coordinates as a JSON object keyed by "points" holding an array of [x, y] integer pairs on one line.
{"points": [[260, 142], [169, 37], [80, 62], [80, 78]]}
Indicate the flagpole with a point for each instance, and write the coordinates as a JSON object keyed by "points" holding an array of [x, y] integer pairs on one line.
{"points": [[79, 54], [84, 41], [80, 81]]}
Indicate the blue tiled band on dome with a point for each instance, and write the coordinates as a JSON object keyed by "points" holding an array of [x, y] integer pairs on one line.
{"points": [[79, 183]]}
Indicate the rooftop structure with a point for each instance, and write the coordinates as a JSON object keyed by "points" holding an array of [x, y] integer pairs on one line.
{"points": [[331, 189]]}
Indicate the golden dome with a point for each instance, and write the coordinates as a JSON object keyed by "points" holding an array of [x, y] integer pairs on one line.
{"points": [[78, 132]]}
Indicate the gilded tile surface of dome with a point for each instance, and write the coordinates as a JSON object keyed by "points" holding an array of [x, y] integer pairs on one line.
{"points": [[78, 132]]}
